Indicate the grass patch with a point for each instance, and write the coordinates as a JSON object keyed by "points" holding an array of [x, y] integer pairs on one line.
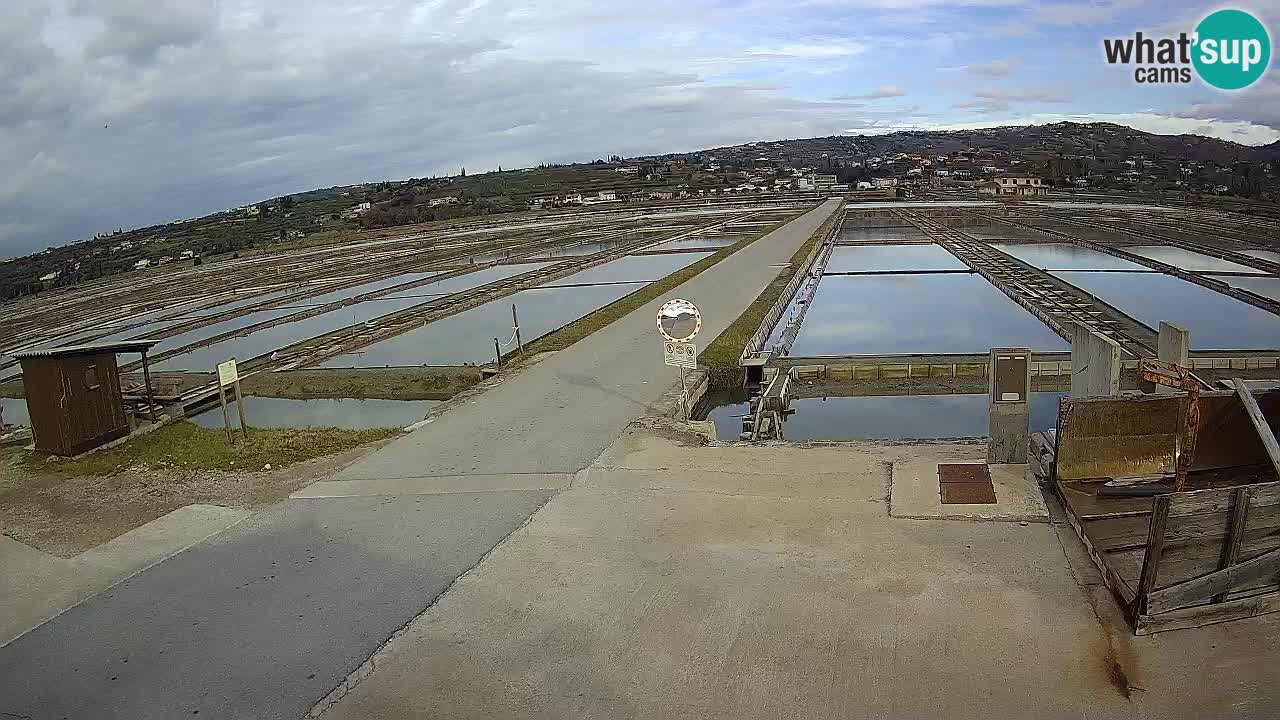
{"points": [[721, 356], [185, 446], [588, 324]]}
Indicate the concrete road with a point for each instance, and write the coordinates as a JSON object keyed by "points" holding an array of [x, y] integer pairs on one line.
{"points": [[772, 582], [561, 414], [262, 621]]}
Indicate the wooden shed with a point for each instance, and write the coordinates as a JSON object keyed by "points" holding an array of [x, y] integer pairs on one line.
{"points": [[1173, 559], [74, 397]]}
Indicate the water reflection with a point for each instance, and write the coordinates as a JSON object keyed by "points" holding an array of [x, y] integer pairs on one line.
{"points": [[1065, 256], [916, 314], [1188, 260], [14, 411], [345, 413], [1216, 322], [267, 339], [1264, 286], [887, 417], [892, 257], [468, 336]]}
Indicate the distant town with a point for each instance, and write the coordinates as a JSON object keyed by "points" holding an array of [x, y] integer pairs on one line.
{"points": [[1017, 161]]}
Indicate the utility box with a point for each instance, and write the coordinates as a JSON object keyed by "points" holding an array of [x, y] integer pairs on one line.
{"points": [[1010, 405]]}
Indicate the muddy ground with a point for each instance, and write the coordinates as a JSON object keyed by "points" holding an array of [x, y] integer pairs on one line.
{"points": [[65, 516]]}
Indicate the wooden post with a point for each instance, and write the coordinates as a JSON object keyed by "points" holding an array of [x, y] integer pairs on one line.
{"points": [[244, 424], [1235, 533], [1151, 560], [226, 416], [146, 378], [515, 322], [1260, 424], [497, 350]]}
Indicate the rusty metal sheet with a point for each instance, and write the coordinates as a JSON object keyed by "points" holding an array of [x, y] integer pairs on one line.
{"points": [[966, 473], [968, 493], [1116, 437]]}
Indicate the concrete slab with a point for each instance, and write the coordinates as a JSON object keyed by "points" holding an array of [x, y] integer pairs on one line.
{"points": [[914, 495], [675, 587], [695, 591], [433, 484], [260, 621], [38, 586]]}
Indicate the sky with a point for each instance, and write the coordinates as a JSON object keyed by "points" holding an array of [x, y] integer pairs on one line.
{"points": [[126, 113]]}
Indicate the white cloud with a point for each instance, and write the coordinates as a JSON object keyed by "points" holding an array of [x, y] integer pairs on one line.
{"points": [[996, 67], [884, 91], [994, 101]]}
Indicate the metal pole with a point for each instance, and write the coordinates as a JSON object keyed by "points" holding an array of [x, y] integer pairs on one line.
{"points": [[684, 396], [515, 321], [146, 377], [226, 416], [244, 424], [497, 350]]}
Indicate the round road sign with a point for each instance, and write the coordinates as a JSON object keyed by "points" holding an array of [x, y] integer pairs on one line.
{"points": [[679, 320]]}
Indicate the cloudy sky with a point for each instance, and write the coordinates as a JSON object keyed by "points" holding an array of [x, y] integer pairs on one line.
{"points": [[120, 113]]}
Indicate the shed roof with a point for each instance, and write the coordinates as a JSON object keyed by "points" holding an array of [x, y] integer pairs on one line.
{"points": [[89, 349]]}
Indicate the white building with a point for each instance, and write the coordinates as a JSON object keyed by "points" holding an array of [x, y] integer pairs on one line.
{"points": [[632, 171], [142, 265], [187, 255], [447, 200], [1019, 185]]}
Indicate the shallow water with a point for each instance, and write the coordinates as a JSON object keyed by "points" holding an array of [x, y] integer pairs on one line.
{"points": [[887, 417], [14, 411], [1216, 322], [267, 339], [1264, 286], [916, 314], [846, 258], [1188, 260], [345, 413], [468, 336], [1065, 256]]}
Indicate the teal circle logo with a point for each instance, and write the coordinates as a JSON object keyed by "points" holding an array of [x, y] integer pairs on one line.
{"points": [[1232, 49]]}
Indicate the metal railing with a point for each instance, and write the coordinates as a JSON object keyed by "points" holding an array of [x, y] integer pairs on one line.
{"points": [[771, 318]]}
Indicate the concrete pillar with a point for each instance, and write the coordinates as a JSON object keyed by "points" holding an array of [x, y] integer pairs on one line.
{"points": [[1095, 364], [1010, 405], [1173, 346]]}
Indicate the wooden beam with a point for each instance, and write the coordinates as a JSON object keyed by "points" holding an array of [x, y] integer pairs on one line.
{"points": [[1235, 532], [1201, 615], [1151, 560], [1220, 581], [1260, 424]]}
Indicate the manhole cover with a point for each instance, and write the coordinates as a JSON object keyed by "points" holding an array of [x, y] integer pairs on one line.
{"points": [[968, 494], [969, 473], [968, 484]]}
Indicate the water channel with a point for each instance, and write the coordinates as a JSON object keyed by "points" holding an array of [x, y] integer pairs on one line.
{"points": [[345, 413], [879, 417]]}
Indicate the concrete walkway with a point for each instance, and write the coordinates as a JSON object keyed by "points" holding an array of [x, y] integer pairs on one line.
{"points": [[262, 621], [740, 582]]}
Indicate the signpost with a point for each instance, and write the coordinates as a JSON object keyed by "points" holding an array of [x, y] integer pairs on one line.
{"points": [[229, 376], [679, 322]]}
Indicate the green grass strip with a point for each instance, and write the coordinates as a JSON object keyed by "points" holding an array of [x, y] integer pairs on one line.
{"points": [[588, 324], [184, 446], [722, 355]]}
